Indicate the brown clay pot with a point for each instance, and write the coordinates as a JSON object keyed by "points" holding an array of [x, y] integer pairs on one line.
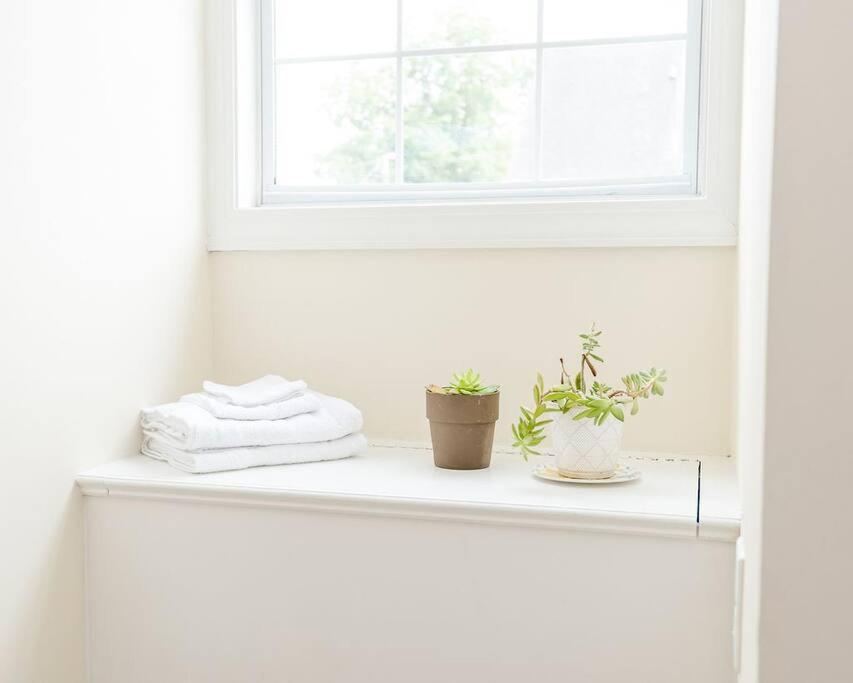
{"points": [[462, 429]]}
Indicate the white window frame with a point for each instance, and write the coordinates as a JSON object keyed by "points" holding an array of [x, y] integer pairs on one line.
{"points": [[239, 219]]}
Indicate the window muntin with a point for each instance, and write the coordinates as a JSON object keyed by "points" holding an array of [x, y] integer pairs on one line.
{"points": [[472, 99]]}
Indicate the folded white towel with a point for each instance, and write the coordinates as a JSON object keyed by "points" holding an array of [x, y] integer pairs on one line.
{"points": [[252, 456], [191, 428], [267, 389], [306, 403]]}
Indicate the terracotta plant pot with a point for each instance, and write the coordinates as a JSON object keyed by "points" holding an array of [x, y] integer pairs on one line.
{"points": [[462, 429]]}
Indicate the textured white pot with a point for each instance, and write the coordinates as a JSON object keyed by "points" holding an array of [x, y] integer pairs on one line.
{"points": [[585, 450]]}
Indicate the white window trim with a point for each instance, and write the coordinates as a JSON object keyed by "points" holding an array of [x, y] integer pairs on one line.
{"points": [[238, 221]]}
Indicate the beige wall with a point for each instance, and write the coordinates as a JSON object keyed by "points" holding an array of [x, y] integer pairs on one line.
{"points": [[376, 326], [103, 295], [807, 551]]}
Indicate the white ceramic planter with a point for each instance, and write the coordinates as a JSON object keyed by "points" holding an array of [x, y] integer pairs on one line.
{"points": [[583, 449]]}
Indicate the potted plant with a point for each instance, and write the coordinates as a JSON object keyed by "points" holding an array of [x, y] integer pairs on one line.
{"points": [[586, 427], [462, 418]]}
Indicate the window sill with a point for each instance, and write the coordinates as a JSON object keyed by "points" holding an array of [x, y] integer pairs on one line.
{"points": [[613, 222], [401, 481]]}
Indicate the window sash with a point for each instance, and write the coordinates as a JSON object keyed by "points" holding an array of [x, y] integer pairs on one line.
{"points": [[686, 184]]}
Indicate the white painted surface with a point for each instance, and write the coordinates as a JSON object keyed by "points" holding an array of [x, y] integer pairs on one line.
{"points": [[376, 326], [104, 300], [807, 524], [720, 498], [759, 101], [216, 578], [737, 612], [404, 482]]}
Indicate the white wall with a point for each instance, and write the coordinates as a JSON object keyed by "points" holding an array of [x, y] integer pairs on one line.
{"points": [[759, 97], [807, 552], [103, 295], [376, 326]]}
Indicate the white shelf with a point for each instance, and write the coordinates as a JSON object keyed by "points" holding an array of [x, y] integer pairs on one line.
{"points": [[401, 481], [719, 509]]}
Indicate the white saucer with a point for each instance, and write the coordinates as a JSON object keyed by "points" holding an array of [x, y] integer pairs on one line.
{"points": [[623, 473]]}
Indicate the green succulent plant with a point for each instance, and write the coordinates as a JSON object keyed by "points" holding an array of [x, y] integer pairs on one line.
{"points": [[596, 401], [467, 383]]}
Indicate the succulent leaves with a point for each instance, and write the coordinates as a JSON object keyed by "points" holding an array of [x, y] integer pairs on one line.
{"points": [[596, 402], [468, 383]]}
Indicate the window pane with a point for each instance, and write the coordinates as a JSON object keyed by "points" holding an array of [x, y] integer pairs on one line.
{"points": [[335, 122], [586, 19], [468, 118], [455, 23], [613, 111], [334, 27]]}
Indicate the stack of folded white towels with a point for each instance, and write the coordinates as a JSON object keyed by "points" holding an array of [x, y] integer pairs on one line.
{"points": [[270, 421]]}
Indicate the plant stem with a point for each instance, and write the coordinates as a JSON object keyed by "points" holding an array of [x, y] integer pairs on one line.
{"points": [[585, 363], [590, 365], [632, 394]]}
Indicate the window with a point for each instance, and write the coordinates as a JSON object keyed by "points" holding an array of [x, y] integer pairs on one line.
{"points": [[389, 100], [344, 124]]}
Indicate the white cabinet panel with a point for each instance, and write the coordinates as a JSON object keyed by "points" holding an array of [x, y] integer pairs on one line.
{"points": [[318, 574]]}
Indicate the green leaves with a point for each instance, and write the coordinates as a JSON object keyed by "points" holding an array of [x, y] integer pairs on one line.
{"points": [[598, 409], [642, 385], [468, 383], [600, 389], [529, 431], [589, 343], [597, 402]]}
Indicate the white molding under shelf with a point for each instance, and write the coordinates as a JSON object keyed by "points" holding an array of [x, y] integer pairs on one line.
{"points": [[400, 481]]}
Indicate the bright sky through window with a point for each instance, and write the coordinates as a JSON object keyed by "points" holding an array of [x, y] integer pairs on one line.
{"points": [[387, 98]]}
